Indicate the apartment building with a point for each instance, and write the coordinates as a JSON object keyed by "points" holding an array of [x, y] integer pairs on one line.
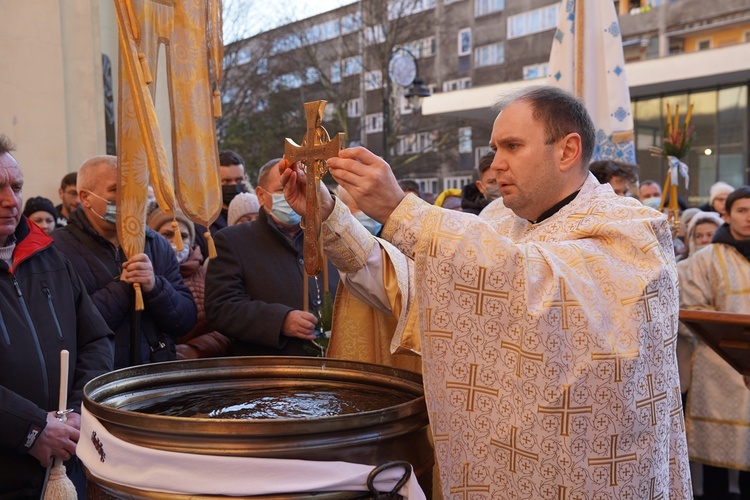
{"points": [[469, 52], [58, 103]]}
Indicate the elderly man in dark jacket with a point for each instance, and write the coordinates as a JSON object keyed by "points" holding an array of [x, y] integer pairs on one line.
{"points": [[44, 308], [91, 243], [254, 288]]}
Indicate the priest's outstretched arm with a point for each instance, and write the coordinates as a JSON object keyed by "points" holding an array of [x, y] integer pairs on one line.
{"points": [[356, 253], [378, 295]]}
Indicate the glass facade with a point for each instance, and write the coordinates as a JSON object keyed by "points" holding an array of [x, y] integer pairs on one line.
{"points": [[720, 149]]}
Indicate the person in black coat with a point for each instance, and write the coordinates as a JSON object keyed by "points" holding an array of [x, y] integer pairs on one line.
{"points": [[91, 243], [233, 182], [254, 287], [44, 308]]}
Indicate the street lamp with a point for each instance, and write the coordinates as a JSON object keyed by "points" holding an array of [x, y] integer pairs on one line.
{"points": [[403, 70], [416, 93]]}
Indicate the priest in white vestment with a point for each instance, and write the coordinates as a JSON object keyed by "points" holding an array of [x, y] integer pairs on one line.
{"points": [[547, 327], [717, 278]]}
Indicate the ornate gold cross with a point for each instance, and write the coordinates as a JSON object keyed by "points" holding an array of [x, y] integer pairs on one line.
{"points": [[315, 149]]}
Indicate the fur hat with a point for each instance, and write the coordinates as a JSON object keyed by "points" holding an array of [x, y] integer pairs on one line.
{"points": [[242, 204], [39, 204], [156, 219], [717, 189]]}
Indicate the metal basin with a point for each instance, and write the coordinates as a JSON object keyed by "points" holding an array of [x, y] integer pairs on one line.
{"points": [[375, 435]]}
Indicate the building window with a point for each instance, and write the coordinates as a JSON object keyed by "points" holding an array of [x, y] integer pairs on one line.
{"points": [[420, 142], [425, 47], [484, 7], [285, 44], [533, 21], [464, 42], [480, 152], [351, 23], [457, 181], [373, 80], [336, 72], [704, 44], [354, 107], [407, 144], [312, 75], [535, 71], [351, 66], [457, 84], [262, 67], [464, 140], [374, 34], [287, 81], [447, 2], [374, 123], [322, 32], [328, 113], [427, 185], [402, 8], [747, 36], [487, 55]]}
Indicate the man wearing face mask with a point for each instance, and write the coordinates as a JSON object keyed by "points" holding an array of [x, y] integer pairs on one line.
{"points": [[254, 288], [484, 191], [233, 182], [370, 224], [91, 243]]}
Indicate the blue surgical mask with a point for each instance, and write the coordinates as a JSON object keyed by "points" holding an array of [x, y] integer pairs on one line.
{"points": [[370, 224], [283, 212], [652, 202], [110, 215]]}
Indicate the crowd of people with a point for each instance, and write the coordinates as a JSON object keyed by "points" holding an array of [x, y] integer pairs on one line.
{"points": [[68, 284]]}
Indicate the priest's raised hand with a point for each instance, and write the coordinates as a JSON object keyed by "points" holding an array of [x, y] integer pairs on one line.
{"points": [[370, 181], [294, 180]]}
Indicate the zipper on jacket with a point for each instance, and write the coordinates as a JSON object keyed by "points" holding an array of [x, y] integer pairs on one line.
{"points": [[6, 337], [35, 336], [51, 305]]}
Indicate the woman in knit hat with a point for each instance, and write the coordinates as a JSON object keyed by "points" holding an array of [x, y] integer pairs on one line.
{"points": [[243, 208], [202, 341], [717, 198], [42, 212]]}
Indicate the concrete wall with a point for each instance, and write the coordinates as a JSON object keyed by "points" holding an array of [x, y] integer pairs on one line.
{"points": [[51, 87]]}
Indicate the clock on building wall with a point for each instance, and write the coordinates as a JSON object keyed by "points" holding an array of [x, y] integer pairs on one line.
{"points": [[402, 69]]}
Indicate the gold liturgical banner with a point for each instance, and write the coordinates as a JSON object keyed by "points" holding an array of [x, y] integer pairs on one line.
{"points": [[190, 32]]}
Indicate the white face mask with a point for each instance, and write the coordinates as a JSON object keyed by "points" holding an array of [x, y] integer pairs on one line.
{"points": [[181, 255]]}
